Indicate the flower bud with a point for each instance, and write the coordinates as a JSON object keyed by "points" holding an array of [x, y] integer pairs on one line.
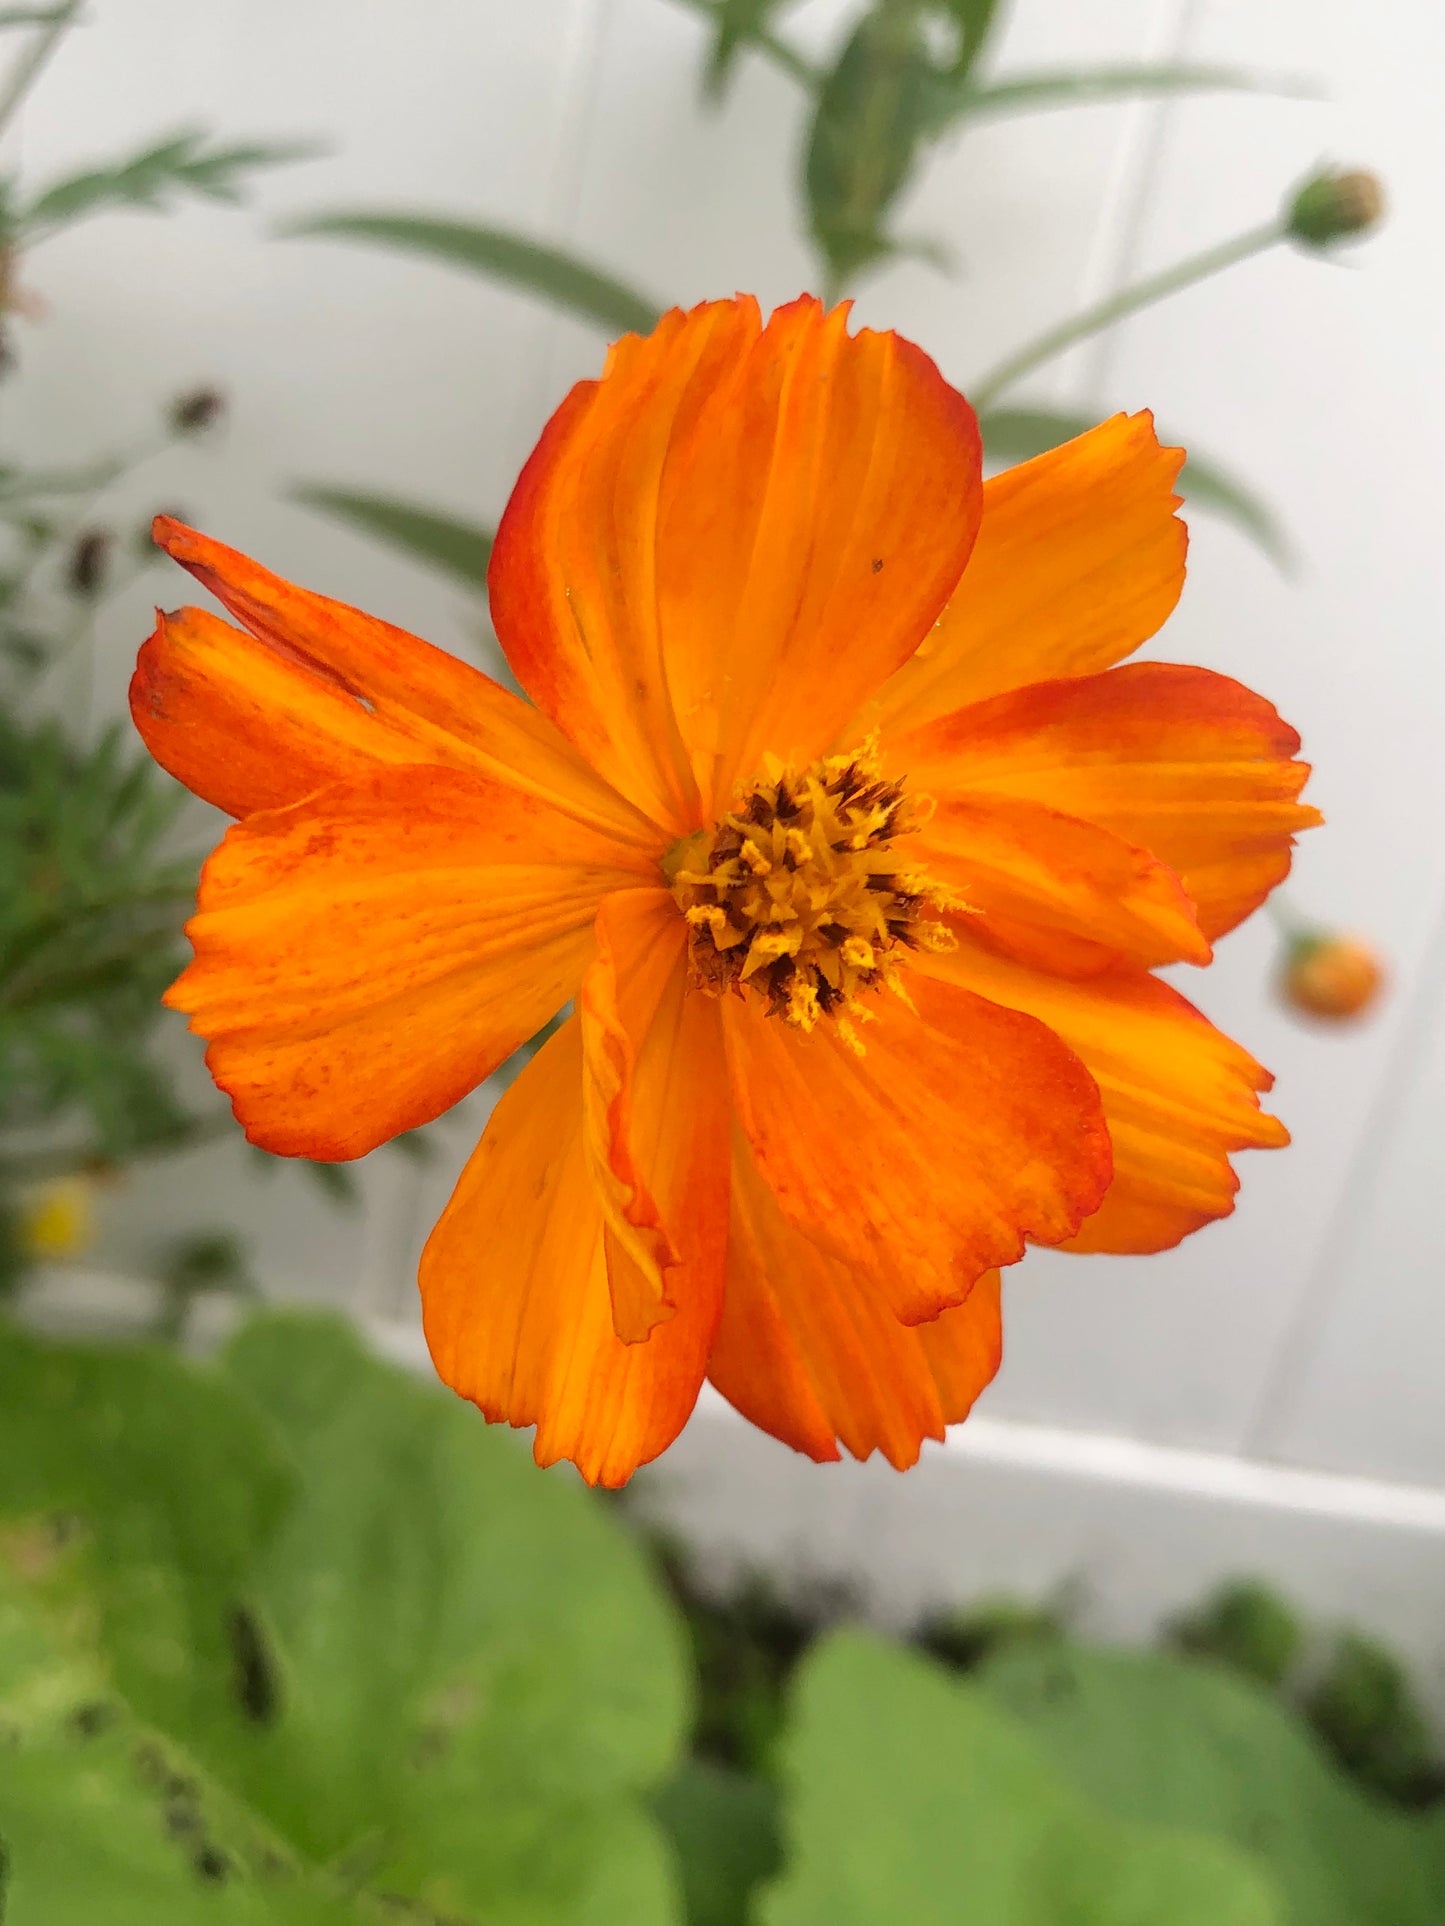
{"points": [[89, 561], [194, 413], [1333, 205], [1331, 975]]}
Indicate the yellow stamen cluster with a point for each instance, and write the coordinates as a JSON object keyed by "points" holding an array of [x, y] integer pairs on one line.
{"points": [[798, 896]]}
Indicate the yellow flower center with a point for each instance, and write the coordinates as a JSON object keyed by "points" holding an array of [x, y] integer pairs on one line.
{"points": [[799, 897]]}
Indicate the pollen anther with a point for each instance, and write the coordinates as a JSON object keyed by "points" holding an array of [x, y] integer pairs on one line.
{"points": [[796, 895]]}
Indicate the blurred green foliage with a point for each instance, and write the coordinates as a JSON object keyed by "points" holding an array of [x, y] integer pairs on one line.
{"points": [[97, 872], [905, 76], [293, 1637]]}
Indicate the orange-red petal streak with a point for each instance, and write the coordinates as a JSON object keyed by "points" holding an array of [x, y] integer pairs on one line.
{"points": [[718, 550], [365, 958], [515, 1296], [655, 1102], [1178, 1094], [964, 1129], [315, 692], [809, 1353], [1050, 888], [1190, 764]]}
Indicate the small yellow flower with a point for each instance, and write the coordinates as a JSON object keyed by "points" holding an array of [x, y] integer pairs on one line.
{"points": [[57, 1220]]}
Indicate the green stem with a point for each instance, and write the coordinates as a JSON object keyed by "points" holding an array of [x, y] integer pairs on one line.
{"points": [[1127, 301], [783, 56], [27, 69]]}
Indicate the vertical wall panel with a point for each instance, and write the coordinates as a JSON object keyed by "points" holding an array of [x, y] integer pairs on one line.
{"points": [[1319, 382]]}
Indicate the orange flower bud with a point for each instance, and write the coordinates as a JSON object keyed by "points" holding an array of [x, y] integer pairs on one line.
{"points": [[1332, 975]]}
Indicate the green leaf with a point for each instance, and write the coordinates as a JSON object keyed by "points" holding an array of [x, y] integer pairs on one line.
{"points": [[1174, 1742], [458, 548], [101, 1820], [1083, 87], [975, 21], [912, 1798], [1364, 1710], [437, 1672], [1245, 1626], [184, 164], [736, 24], [724, 1829], [453, 1633], [550, 273], [873, 114], [1018, 434], [31, 16], [175, 1482]]}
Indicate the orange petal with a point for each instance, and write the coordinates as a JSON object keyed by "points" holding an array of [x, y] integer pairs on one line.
{"points": [[809, 1353], [655, 1102], [514, 1285], [964, 1347], [1178, 1095], [718, 550], [317, 692], [963, 1130], [1190, 764], [1052, 889], [365, 958], [1080, 559]]}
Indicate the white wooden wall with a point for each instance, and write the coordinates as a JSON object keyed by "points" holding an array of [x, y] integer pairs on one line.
{"points": [[1309, 1329]]}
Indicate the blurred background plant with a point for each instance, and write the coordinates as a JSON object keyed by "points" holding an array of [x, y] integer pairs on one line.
{"points": [[289, 1637], [99, 849]]}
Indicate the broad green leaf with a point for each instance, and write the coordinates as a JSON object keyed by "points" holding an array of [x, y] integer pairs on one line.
{"points": [[1175, 1742], [1018, 434], [912, 1798], [175, 1481], [552, 274], [103, 1821], [476, 1677], [458, 548], [724, 1829], [1084, 86], [184, 164], [437, 1672], [873, 113]]}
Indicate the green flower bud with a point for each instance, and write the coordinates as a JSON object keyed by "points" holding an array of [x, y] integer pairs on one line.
{"points": [[1334, 205]]}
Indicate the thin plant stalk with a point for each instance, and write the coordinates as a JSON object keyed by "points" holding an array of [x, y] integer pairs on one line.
{"points": [[1118, 307], [26, 70]]}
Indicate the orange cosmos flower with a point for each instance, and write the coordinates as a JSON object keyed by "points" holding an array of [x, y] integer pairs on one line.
{"points": [[834, 817]]}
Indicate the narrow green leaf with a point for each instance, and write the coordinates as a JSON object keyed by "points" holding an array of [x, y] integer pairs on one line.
{"points": [[874, 111], [975, 20], [548, 272], [1214, 487], [1082, 87], [736, 24], [458, 548], [1018, 434], [31, 16], [183, 164]]}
